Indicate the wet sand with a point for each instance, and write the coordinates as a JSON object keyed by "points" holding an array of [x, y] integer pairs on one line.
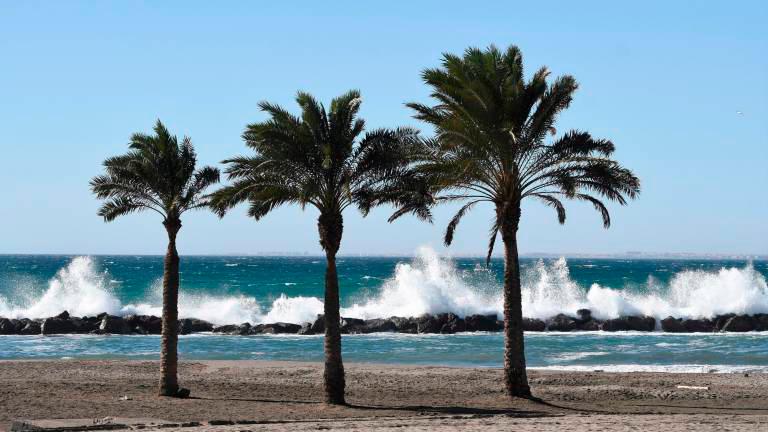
{"points": [[287, 396]]}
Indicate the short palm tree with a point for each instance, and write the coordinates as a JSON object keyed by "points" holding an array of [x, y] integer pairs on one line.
{"points": [[321, 159], [158, 174], [492, 146]]}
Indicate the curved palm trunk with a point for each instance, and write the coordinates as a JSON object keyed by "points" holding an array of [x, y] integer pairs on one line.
{"points": [[515, 377], [169, 385], [330, 228]]}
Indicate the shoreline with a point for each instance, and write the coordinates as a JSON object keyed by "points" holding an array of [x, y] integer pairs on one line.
{"points": [[280, 392]]}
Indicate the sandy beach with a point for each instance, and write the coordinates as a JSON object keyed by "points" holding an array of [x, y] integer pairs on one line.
{"points": [[287, 396]]}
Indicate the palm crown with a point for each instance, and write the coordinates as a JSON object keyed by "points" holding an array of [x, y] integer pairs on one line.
{"points": [[491, 141], [320, 159], [158, 173]]}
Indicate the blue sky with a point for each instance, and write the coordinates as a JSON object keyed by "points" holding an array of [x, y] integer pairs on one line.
{"points": [[663, 80]]}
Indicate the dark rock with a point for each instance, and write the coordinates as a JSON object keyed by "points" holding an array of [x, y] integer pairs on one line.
{"points": [[451, 323], [145, 324], [563, 323], [114, 325], [630, 323], [64, 315], [481, 323], [739, 324], [8, 326], [530, 324], [720, 320], [306, 329], [194, 325], [761, 322], [591, 325], [318, 326], [85, 324], [277, 328], [233, 329], [405, 325], [672, 325], [379, 325], [352, 325], [57, 325], [428, 324], [677, 325], [584, 315], [183, 393], [29, 327]]}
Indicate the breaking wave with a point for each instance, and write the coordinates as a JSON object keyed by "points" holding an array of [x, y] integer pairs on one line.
{"points": [[427, 284]]}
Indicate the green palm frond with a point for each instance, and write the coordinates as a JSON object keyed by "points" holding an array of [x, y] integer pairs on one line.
{"points": [[325, 159], [495, 140], [157, 173]]}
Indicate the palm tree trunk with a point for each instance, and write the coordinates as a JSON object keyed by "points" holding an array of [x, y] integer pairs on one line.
{"points": [[330, 228], [515, 377], [169, 385]]}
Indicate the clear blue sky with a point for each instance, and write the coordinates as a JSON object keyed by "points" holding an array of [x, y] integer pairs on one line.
{"points": [[664, 80]]}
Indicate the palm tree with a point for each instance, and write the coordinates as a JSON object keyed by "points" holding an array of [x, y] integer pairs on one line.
{"points": [[491, 146], [158, 174], [321, 159]]}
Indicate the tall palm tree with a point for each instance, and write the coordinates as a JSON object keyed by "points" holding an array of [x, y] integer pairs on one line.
{"points": [[322, 159], [492, 146], [158, 174]]}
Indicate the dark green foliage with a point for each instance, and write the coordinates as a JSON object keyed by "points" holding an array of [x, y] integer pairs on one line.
{"points": [[158, 174], [323, 159], [496, 142]]}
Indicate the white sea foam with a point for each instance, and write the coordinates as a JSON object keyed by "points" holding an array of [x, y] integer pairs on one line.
{"points": [[428, 284], [678, 368]]}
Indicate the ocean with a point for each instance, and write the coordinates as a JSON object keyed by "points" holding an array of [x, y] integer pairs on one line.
{"points": [[236, 289]]}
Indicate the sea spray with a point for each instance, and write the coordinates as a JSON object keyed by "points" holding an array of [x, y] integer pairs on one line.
{"points": [[428, 283]]}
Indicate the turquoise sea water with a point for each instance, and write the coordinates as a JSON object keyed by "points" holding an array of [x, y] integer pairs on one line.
{"points": [[268, 289]]}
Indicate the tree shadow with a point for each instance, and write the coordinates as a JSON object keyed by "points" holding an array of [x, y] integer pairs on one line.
{"points": [[275, 401], [457, 410]]}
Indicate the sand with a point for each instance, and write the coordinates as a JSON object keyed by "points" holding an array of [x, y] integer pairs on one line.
{"points": [[283, 396]]}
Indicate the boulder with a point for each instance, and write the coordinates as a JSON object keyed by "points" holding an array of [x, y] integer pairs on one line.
{"points": [[276, 328], [672, 325], [563, 323], [481, 323], [677, 325], [234, 329], [405, 325], [57, 325], [318, 326], [530, 324], [85, 324], [591, 325], [8, 326], [739, 324], [720, 320], [194, 325], [761, 322], [451, 323], [428, 324], [352, 325], [584, 315], [29, 327], [114, 325], [145, 324], [630, 323], [306, 329], [379, 325]]}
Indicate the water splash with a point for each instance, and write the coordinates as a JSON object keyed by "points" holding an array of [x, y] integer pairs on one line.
{"points": [[428, 284]]}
